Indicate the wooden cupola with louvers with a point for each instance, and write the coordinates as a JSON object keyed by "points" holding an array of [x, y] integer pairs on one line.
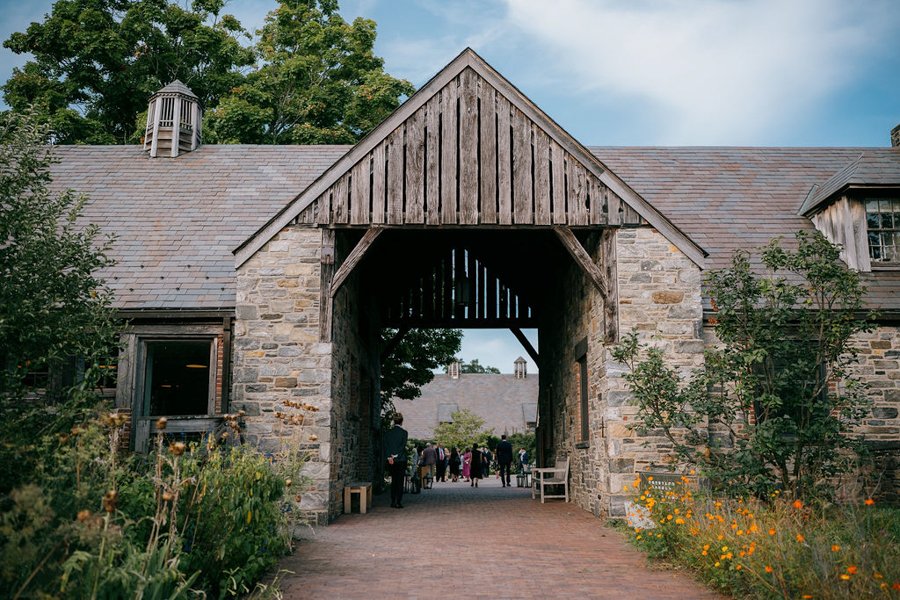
{"points": [[173, 121]]}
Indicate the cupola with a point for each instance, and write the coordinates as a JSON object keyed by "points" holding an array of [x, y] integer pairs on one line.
{"points": [[173, 121], [520, 368]]}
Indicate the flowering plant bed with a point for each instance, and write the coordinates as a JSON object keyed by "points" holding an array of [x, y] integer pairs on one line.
{"points": [[773, 549]]}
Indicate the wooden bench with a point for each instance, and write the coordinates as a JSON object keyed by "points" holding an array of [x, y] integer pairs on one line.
{"points": [[547, 476], [364, 489]]}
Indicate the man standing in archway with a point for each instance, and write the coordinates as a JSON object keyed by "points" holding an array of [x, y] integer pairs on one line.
{"points": [[504, 459], [395, 452]]}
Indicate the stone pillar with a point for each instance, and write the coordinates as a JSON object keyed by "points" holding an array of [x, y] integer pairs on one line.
{"points": [[660, 298], [278, 356]]}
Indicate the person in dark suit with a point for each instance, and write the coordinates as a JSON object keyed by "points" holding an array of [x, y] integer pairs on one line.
{"points": [[504, 459], [395, 440]]}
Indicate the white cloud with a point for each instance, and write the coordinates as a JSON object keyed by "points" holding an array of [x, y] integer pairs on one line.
{"points": [[711, 71]]}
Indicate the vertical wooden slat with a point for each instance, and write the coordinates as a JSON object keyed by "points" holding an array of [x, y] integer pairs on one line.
{"points": [[578, 214], [395, 177], [415, 167], [491, 295], [611, 301], [378, 183], [428, 294], [541, 178], [359, 194], [595, 190], [449, 141], [339, 199], [521, 170], [472, 304], [468, 149], [559, 182], [612, 204], [488, 163], [432, 160], [324, 202], [447, 310], [504, 163], [326, 301], [485, 290]]}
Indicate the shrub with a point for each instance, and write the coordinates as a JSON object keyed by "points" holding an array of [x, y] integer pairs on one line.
{"points": [[760, 416], [96, 523]]}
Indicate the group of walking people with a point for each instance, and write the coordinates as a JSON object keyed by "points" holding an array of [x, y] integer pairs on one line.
{"points": [[435, 461]]}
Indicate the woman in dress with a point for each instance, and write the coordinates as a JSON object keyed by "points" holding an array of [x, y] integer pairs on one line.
{"points": [[467, 464], [455, 460], [475, 467]]}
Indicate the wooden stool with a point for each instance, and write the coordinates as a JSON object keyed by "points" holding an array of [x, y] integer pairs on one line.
{"points": [[364, 489]]}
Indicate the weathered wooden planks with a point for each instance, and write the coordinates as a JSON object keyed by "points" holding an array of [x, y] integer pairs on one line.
{"points": [[449, 152], [523, 208], [415, 169], [469, 156]]}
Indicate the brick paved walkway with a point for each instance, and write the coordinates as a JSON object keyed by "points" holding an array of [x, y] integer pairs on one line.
{"points": [[455, 541]]}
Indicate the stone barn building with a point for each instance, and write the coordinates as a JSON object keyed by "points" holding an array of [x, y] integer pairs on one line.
{"points": [[254, 276]]}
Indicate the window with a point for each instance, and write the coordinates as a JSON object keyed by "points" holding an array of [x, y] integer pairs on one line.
{"points": [[883, 225], [177, 378], [582, 377]]}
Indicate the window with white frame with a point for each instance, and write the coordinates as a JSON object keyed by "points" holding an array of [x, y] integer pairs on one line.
{"points": [[883, 230]]}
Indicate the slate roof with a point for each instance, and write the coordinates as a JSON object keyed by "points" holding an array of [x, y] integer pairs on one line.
{"points": [[740, 198], [869, 169], [501, 400], [176, 87], [178, 220]]}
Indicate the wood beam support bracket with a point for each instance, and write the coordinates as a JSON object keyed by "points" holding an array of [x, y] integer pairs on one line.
{"points": [[583, 259], [353, 259], [394, 342], [527, 345]]}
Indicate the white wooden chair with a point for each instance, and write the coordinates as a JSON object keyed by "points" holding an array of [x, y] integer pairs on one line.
{"points": [[557, 475]]}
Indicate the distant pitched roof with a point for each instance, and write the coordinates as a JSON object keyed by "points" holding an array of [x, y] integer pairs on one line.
{"points": [[503, 401], [870, 169]]}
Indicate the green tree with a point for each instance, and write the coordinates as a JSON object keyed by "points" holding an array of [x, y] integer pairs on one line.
{"points": [[319, 82], [760, 415], [411, 364], [475, 367], [96, 63], [465, 429], [53, 306]]}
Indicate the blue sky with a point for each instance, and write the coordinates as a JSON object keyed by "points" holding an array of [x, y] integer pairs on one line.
{"points": [[643, 72]]}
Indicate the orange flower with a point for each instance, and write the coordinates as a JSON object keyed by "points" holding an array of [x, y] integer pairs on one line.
{"points": [[835, 548], [797, 504], [800, 538], [771, 532], [845, 577], [851, 570], [806, 596], [896, 586], [769, 569], [869, 502]]}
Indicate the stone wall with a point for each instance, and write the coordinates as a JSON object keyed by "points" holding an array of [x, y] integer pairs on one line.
{"points": [[660, 298], [879, 368], [278, 356], [579, 317]]}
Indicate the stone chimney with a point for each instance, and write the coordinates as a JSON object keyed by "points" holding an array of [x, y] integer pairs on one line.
{"points": [[173, 121], [520, 368], [453, 370], [895, 137]]}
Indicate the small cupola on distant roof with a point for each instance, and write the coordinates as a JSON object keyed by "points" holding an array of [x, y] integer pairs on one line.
{"points": [[173, 121], [520, 368]]}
